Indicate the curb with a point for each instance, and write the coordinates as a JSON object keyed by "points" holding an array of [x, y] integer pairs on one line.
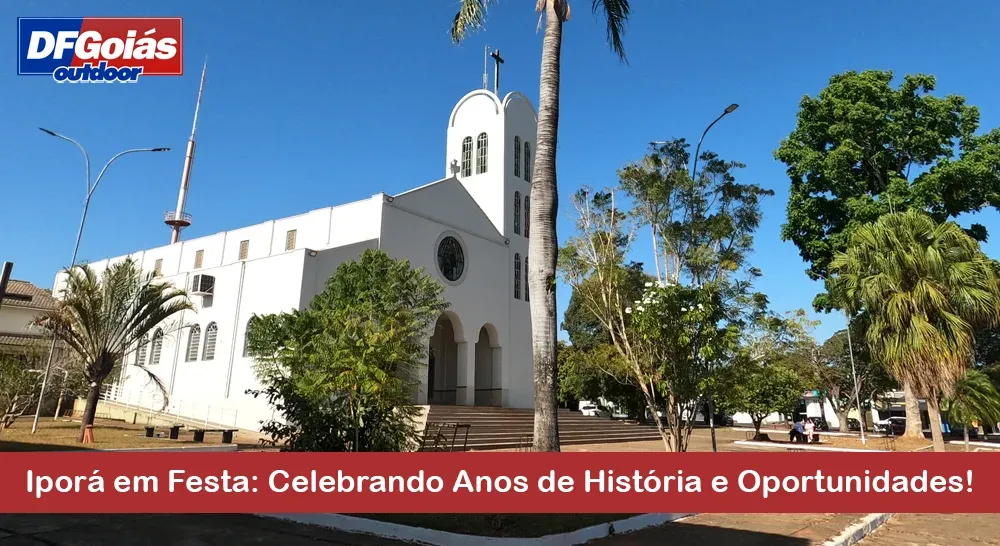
{"points": [[806, 447], [433, 537], [858, 531], [199, 449]]}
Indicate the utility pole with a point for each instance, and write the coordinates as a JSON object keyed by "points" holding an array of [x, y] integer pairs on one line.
{"points": [[4, 277]]}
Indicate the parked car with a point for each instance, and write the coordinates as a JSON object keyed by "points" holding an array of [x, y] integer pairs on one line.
{"points": [[895, 426], [854, 425], [591, 410]]}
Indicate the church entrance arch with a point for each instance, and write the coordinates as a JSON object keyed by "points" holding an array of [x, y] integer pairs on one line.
{"points": [[488, 380], [442, 363]]}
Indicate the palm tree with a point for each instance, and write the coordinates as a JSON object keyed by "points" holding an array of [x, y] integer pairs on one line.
{"points": [[974, 399], [924, 287], [543, 245], [103, 320]]}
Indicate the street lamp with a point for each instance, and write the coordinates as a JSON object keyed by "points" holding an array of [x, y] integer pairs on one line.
{"points": [[729, 110], [79, 235]]}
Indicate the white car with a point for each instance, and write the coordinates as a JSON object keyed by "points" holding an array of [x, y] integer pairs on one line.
{"points": [[591, 410]]}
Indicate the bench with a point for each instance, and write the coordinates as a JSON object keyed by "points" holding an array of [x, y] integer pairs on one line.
{"points": [[175, 430], [227, 434]]}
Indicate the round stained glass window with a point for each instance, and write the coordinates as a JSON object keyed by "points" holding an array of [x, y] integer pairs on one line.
{"points": [[451, 258]]}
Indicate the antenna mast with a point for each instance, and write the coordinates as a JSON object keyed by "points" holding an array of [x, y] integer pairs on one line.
{"points": [[178, 219], [486, 67]]}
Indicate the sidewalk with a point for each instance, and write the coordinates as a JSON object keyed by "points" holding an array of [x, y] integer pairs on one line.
{"points": [[742, 529], [937, 530]]}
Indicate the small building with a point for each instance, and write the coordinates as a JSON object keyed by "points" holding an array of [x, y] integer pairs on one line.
{"points": [[21, 306]]}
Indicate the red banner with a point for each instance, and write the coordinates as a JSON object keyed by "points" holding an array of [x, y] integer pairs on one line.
{"points": [[498, 482]]}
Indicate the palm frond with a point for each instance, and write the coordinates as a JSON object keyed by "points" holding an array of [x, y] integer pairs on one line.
{"points": [[616, 12], [471, 16]]}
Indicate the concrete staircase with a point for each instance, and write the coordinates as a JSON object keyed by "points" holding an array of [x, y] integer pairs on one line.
{"points": [[507, 428]]}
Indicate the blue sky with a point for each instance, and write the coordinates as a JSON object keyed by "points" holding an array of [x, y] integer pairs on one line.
{"points": [[311, 104]]}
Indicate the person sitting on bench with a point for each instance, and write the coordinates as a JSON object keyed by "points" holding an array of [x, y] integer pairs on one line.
{"points": [[810, 431], [797, 434]]}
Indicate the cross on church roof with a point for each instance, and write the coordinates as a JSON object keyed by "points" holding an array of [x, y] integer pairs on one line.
{"points": [[497, 61]]}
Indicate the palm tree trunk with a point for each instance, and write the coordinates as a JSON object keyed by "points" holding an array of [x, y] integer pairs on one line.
{"points": [[543, 244], [935, 417], [90, 410], [965, 433], [914, 428]]}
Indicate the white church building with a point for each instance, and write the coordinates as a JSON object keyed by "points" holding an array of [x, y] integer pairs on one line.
{"points": [[469, 230]]}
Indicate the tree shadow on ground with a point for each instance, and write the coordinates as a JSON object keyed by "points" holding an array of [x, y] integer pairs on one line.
{"points": [[10, 446], [114, 530]]}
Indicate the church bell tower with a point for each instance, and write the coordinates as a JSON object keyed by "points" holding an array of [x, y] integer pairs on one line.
{"points": [[491, 151]]}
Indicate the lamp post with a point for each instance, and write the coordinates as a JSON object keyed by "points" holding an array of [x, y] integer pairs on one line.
{"points": [[91, 187], [694, 169], [854, 373]]}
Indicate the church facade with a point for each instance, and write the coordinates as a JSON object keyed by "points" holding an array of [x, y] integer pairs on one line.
{"points": [[469, 230]]}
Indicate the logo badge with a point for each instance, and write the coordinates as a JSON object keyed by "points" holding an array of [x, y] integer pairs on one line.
{"points": [[99, 49]]}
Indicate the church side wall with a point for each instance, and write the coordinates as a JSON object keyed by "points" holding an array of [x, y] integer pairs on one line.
{"points": [[216, 388]]}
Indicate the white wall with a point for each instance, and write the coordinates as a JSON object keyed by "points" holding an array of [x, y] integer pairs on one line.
{"points": [[478, 299], [18, 320]]}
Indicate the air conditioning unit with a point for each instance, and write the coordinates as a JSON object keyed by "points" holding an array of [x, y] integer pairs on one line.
{"points": [[202, 285]]}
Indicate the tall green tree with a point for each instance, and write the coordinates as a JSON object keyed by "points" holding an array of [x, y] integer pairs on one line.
{"points": [[862, 148], [343, 372], [104, 319], [974, 398], [702, 225], [924, 288], [543, 246]]}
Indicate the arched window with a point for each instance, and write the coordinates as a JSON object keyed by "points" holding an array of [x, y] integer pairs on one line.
{"points": [[154, 358], [527, 214], [467, 156], [526, 278], [211, 333], [140, 354], [194, 339], [527, 162], [481, 153], [246, 337], [517, 276], [517, 212], [517, 156]]}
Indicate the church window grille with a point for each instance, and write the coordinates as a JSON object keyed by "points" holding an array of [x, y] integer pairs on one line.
{"points": [[199, 259], [244, 249], [526, 278], [482, 153], [246, 337], [194, 339], [527, 214], [517, 276], [527, 162], [154, 358], [290, 239], [517, 212], [517, 156], [467, 156], [140, 354], [158, 267], [211, 334]]}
